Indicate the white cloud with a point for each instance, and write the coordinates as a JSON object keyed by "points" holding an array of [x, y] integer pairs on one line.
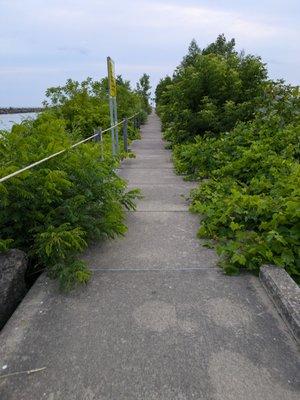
{"points": [[44, 70], [81, 19], [189, 18]]}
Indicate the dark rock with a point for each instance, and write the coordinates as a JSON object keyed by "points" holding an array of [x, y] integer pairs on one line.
{"points": [[13, 266]]}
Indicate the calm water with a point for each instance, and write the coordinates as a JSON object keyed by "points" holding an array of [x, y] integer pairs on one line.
{"points": [[7, 120]]}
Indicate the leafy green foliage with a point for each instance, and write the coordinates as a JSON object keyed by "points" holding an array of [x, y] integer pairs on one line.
{"points": [[84, 106], [55, 209], [143, 88], [210, 91], [193, 52], [248, 164]]}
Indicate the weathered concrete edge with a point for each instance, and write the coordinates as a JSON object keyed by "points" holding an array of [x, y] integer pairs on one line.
{"points": [[285, 294], [32, 303]]}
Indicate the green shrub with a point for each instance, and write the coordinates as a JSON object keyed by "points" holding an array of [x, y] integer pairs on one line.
{"points": [[84, 106], [210, 91], [55, 209], [250, 198], [252, 228], [246, 155]]}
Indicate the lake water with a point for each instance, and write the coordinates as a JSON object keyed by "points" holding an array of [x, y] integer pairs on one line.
{"points": [[7, 120]]}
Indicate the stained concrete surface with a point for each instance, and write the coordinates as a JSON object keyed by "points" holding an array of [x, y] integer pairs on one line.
{"points": [[159, 320]]}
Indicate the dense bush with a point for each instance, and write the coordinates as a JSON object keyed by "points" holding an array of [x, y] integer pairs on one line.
{"points": [[84, 105], [210, 91], [143, 88], [250, 178], [53, 210]]}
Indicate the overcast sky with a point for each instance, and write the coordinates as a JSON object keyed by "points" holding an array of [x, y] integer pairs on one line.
{"points": [[44, 42]]}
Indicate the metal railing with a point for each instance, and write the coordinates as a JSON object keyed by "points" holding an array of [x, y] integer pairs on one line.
{"points": [[97, 136]]}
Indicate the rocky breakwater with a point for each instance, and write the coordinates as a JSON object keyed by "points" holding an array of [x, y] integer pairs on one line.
{"points": [[19, 110], [13, 264]]}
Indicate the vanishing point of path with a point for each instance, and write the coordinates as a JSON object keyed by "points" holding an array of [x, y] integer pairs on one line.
{"points": [[159, 320]]}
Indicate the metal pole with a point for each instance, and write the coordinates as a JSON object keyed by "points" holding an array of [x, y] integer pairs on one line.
{"points": [[101, 144], [112, 130], [97, 135], [116, 121], [98, 138], [125, 124]]}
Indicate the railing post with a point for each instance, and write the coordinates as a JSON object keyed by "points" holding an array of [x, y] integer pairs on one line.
{"points": [[112, 135], [101, 144], [99, 138], [116, 127], [125, 125], [112, 122]]}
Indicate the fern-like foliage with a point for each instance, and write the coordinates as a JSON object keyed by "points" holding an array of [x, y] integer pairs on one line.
{"points": [[53, 210]]}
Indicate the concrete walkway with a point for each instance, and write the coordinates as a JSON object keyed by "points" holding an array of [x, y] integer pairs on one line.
{"points": [[159, 321]]}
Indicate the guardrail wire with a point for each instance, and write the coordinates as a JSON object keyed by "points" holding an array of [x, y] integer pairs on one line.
{"points": [[18, 172]]}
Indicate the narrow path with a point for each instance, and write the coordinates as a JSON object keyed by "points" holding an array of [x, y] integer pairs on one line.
{"points": [[159, 320]]}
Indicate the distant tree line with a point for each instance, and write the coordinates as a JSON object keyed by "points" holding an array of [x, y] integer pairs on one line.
{"points": [[19, 110]]}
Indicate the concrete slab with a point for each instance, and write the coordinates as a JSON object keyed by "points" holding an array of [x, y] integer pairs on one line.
{"points": [[151, 335], [148, 145], [150, 152], [150, 163], [150, 175], [144, 155], [154, 240], [170, 197]]}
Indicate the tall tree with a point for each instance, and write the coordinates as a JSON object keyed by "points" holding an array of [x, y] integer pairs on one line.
{"points": [[221, 46], [193, 51], [144, 88], [161, 89]]}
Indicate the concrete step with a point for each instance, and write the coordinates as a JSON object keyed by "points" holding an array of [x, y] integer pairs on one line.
{"points": [[170, 197], [154, 176]]}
